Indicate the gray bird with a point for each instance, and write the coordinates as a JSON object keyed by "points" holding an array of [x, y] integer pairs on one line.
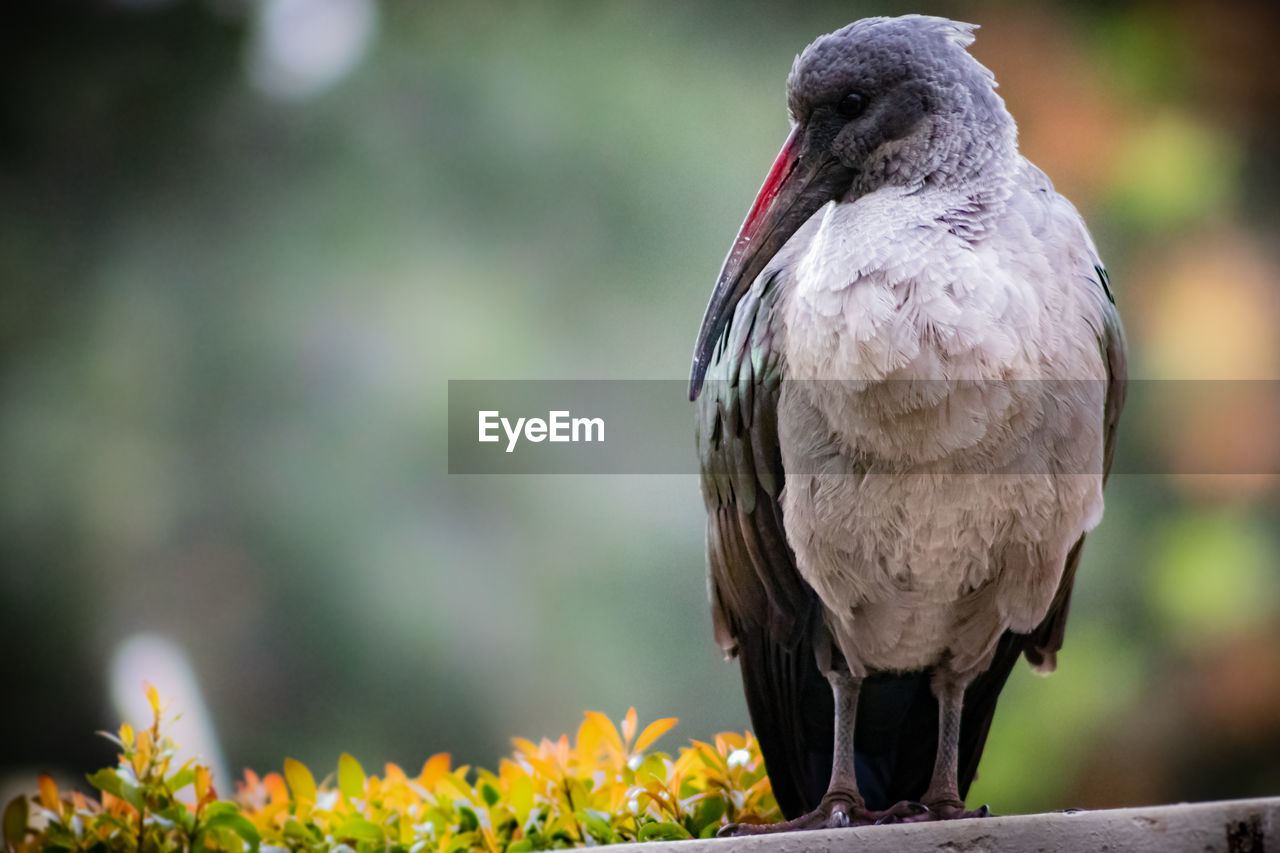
{"points": [[914, 369]]}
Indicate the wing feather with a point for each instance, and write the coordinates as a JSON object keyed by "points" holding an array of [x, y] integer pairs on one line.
{"points": [[1046, 641], [763, 611]]}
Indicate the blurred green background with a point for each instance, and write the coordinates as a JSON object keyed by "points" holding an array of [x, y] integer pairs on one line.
{"points": [[244, 245]]}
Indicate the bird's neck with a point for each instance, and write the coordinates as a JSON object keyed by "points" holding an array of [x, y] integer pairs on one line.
{"points": [[894, 285], [952, 154]]}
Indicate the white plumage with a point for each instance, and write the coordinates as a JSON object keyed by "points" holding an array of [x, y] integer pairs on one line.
{"points": [[936, 477]]}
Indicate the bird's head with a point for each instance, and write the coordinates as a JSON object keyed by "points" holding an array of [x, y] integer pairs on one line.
{"points": [[880, 102]]}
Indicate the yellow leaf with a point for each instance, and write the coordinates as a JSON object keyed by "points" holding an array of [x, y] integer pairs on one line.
{"points": [[204, 786], [653, 731], [126, 736], [711, 757], [142, 753], [350, 777], [405, 826], [394, 775], [545, 769], [301, 782], [153, 697], [459, 785], [526, 747], [590, 740], [607, 731], [520, 797], [508, 770]]}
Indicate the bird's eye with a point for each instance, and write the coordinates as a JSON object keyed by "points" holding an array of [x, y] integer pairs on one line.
{"points": [[851, 105]]}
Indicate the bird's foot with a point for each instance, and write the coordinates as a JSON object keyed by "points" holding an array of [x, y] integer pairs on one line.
{"points": [[936, 810], [837, 809]]}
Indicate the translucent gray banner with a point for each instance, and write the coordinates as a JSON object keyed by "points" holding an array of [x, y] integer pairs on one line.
{"points": [[1191, 427]]}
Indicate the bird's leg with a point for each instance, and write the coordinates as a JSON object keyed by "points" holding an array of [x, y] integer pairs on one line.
{"points": [[842, 790], [944, 787], [943, 795], [841, 805]]}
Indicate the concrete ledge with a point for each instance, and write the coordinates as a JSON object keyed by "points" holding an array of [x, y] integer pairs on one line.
{"points": [[1231, 826]]}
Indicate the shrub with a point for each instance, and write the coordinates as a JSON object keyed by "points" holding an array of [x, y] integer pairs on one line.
{"points": [[603, 788]]}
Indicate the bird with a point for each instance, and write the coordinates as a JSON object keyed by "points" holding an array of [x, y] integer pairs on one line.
{"points": [[908, 381]]}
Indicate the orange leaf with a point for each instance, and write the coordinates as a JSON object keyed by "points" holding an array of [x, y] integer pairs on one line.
{"points": [[49, 794], [276, 790], [733, 740], [433, 769], [629, 724], [759, 789], [653, 731]]}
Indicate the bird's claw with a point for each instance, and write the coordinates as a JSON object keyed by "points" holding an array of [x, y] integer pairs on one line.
{"points": [[839, 811], [836, 811], [899, 812], [947, 810]]}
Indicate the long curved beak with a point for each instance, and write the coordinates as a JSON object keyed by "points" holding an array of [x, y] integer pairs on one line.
{"points": [[799, 183]]}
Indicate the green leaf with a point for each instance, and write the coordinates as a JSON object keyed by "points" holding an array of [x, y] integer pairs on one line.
{"points": [[652, 768], [350, 777], [359, 829], [708, 812], [489, 794], [577, 791], [524, 845], [597, 823], [293, 828], [59, 836], [663, 831], [181, 779], [110, 781], [107, 780], [16, 814], [237, 823], [177, 814], [221, 807], [467, 820]]}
